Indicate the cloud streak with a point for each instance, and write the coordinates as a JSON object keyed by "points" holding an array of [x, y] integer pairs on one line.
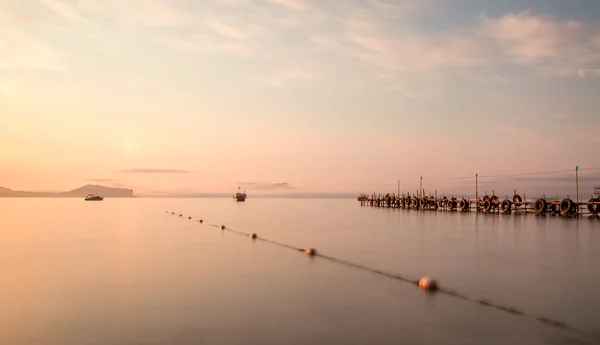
{"points": [[133, 13], [63, 9], [154, 171], [293, 4], [21, 50], [258, 186], [403, 55]]}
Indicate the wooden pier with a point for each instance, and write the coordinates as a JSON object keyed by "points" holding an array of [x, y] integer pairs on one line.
{"points": [[487, 204]]}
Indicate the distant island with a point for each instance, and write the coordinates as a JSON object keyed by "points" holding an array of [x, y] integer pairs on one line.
{"points": [[81, 192], [110, 192]]}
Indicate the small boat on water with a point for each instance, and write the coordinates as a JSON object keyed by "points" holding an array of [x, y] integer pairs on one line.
{"points": [[239, 196], [94, 197]]}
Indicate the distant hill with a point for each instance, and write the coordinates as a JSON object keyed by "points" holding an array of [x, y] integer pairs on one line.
{"points": [[110, 192], [107, 192]]}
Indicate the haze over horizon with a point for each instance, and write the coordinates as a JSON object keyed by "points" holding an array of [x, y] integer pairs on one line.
{"points": [[299, 96]]}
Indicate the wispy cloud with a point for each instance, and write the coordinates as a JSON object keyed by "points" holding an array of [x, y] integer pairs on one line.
{"points": [[258, 186], [539, 43], [155, 13], [154, 171], [376, 36], [159, 13], [21, 50], [545, 43], [64, 9], [293, 4], [233, 28]]}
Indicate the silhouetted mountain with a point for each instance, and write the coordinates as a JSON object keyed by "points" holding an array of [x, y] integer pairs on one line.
{"points": [[107, 192]]}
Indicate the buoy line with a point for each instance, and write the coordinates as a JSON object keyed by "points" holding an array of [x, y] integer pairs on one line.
{"points": [[424, 283]]}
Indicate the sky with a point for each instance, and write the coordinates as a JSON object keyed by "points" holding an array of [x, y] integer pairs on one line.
{"points": [[297, 95]]}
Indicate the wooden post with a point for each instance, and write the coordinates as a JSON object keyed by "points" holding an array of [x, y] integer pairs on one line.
{"points": [[577, 183], [477, 191], [421, 187]]}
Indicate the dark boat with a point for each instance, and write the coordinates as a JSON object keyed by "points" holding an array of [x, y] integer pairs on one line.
{"points": [[239, 196], [94, 197]]}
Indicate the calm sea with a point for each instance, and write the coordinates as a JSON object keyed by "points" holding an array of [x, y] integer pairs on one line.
{"points": [[123, 271]]}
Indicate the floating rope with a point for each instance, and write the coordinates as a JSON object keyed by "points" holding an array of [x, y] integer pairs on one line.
{"points": [[444, 290]]}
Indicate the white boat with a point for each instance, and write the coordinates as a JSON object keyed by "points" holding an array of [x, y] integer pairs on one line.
{"points": [[94, 197], [239, 196]]}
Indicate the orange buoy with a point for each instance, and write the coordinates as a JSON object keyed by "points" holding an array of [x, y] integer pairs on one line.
{"points": [[200, 220], [222, 227], [427, 283], [252, 235], [310, 251], [189, 217]]}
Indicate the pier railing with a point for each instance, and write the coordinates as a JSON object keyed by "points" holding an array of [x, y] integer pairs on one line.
{"points": [[487, 204], [565, 207]]}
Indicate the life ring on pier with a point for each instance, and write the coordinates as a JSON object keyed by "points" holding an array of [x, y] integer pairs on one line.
{"points": [[450, 204], [423, 202], [540, 206], [466, 205], [415, 202], [517, 198], [506, 206], [461, 204], [566, 206], [495, 200], [487, 205], [594, 208]]}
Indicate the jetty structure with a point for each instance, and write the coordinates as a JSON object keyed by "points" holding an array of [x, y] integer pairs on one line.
{"points": [[493, 203]]}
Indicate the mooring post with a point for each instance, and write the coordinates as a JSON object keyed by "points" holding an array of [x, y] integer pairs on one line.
{"points": [[477, 191], [421, 187], [577, 183]]}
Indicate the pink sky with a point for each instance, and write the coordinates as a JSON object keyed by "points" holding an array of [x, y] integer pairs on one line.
{"points": [[327, 97]]}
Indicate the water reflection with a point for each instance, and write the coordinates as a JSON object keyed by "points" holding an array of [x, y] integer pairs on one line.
{"points": [[123, 271]]}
